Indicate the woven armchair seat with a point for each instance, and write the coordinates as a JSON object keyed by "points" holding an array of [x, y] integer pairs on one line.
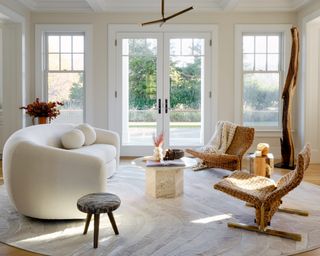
{"points": [[247, 187], [265, 195]]}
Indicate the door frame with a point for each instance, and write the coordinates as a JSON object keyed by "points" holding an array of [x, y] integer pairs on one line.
{"points": [[114, 29], [15, 74]]}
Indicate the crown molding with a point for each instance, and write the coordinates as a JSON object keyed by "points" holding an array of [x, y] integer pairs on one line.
{"points": [[140, 6]]}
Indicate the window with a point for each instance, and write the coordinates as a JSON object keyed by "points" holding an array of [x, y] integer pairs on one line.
{"points": [[63, 69], [64, 74], [261, 60], [261, 79]]}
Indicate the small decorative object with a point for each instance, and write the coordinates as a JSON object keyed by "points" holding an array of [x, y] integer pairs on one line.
{"points": [[261, 162], [263, 148], [158, 151], [44, 111], [172, 154]]}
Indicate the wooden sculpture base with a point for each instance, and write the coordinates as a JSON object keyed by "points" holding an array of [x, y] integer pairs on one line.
{"points": [[284, 166]]}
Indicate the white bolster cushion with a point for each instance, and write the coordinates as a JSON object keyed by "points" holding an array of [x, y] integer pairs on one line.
{"points": [[89, 133], [73, 139]]}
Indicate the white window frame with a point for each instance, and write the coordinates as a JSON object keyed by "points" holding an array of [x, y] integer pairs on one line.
{"points": [[115, 29], [40, 58], [240, 30]]}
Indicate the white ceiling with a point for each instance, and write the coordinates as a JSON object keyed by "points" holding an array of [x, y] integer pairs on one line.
{"points": [[154, 5]]}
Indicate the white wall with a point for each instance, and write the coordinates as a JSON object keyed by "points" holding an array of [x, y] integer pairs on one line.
{"points": [[308, 105], [15, 35], [225, 22]]}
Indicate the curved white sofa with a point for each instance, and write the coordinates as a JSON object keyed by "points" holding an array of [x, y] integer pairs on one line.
{"points": [[45, 181]]}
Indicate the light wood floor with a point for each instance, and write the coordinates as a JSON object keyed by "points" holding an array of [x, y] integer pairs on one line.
{"points": [[312, 175]]}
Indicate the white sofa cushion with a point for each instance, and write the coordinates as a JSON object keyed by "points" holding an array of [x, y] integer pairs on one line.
{"points": [[73, 139], [103, 151], [89, 133]]}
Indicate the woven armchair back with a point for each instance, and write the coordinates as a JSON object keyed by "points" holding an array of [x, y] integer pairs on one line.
{"points": [[242, 140], [292, 179]]}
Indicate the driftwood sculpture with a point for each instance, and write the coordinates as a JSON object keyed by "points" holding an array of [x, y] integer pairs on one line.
{"points": [[287, 147]]}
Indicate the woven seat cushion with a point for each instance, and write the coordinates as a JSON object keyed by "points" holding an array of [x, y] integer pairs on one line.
{"points": [[247, 187]]}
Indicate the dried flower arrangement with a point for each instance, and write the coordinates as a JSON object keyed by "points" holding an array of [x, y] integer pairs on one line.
{"points": [[43, 109], [158, 151], [158, 140]]}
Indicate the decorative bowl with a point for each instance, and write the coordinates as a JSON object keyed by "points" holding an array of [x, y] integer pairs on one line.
{"points": [[172, 154], [178, 153]]}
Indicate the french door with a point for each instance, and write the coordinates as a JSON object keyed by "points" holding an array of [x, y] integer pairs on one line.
{"points": [[163, 86]]}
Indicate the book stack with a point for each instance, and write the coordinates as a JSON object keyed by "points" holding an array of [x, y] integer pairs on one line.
{"points": [[176, 162]]}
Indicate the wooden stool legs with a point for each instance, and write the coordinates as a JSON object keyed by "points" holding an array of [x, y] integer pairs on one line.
{"points": [[87, 223], [113, 223], [96, 226], [96, 230]]}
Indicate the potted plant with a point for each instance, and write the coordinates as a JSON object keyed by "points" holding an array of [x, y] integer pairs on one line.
{"points": [[44, 111]]}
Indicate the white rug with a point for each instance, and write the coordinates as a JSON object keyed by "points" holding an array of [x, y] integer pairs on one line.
{"points": [[193, 224]]}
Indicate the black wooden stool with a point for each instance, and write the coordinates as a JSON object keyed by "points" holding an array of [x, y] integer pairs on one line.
{"points": [[97, 203]]}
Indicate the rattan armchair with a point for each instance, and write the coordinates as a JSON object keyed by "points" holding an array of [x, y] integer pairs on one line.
{"points": [[265, 195], [232, 159]]}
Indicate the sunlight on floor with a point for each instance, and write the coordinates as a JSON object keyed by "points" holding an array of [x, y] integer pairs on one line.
{"points": [[212, 219], [59, 234]]}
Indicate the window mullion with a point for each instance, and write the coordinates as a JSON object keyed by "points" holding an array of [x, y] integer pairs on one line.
{"points": [[46, 68], [72, 53], [59, 52], [267, 53], [254, 53]]}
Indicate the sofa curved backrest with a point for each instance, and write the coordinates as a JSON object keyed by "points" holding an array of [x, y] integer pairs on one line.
{"points": [[46, 134]]}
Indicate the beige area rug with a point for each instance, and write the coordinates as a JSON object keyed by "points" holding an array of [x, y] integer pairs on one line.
{"points": [[193, 224]]}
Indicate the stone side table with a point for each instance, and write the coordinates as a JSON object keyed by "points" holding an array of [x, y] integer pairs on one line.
{"points": [[165, 181]]}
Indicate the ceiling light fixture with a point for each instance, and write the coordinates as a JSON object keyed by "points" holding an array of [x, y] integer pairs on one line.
{"points": [[164, 19]]}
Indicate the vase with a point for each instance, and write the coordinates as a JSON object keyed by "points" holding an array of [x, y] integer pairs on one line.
{"points": [[157, 154], [42, 120]]}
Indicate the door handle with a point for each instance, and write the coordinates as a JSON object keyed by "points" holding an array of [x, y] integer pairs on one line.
{"points": [[166, 106], [159, 106]]}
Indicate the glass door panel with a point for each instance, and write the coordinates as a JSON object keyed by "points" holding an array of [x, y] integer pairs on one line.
{"points": [[139, 90], [186, 83], [162, 88]]}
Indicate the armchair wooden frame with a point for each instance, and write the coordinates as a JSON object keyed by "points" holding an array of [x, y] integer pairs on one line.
{"points": [[265, 196]]}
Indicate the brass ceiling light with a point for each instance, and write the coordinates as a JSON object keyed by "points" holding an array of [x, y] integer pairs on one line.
{"points": [[164, 19]]}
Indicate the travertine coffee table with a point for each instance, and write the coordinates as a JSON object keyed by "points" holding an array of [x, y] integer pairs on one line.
{"points": [[165, 181]]}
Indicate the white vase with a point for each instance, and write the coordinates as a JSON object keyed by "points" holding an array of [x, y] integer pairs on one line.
{"points": [[157, 154]]}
